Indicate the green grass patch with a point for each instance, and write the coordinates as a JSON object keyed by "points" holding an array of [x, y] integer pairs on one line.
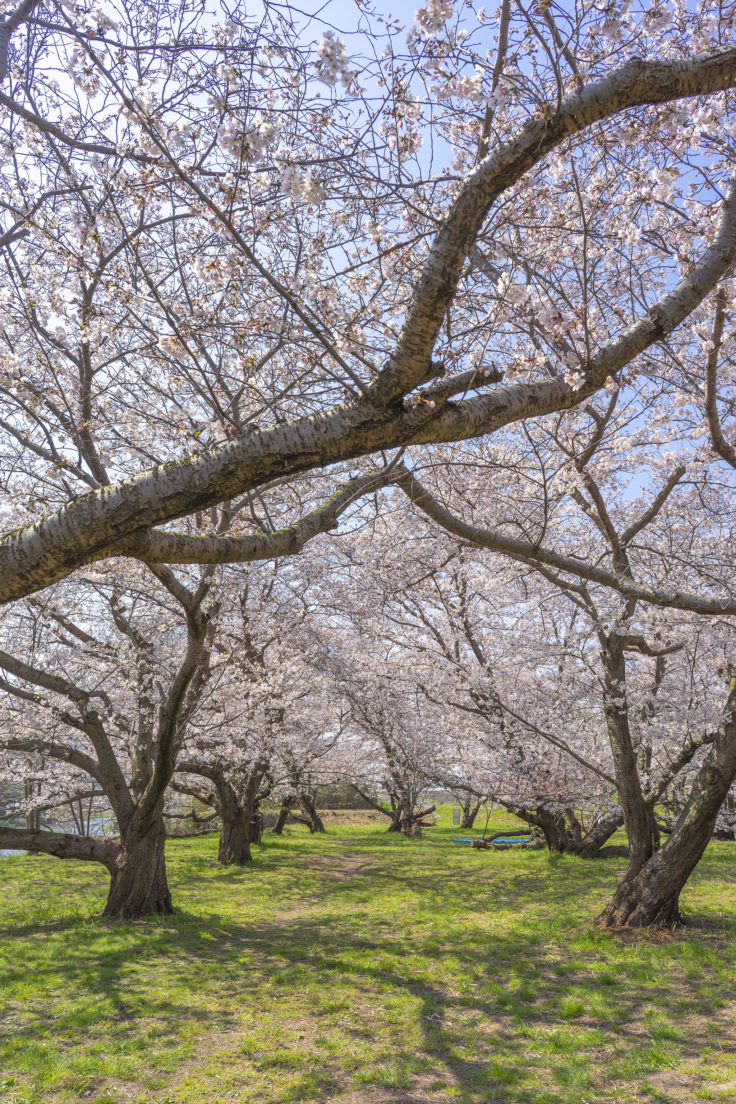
{"points": [[363, 967]]}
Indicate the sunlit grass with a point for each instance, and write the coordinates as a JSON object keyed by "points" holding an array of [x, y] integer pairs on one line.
{"points": [[361, 966]]}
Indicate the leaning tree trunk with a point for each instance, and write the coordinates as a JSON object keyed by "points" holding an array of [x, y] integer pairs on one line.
{"points": [[139, 886], [314, 820], [556, 835], [653, 895], [470, 812], [283, 815], [561, 840], [598, 834]]}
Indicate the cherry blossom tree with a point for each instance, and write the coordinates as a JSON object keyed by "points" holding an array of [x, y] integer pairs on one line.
{"points": [[111, 677], [512, 675], [645, 539], [234, 792], [273, 718], [254, 271], [391, 739], [238, 252]]}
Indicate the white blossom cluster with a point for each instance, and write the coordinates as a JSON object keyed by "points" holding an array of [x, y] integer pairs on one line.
{"points": [[432, 17], [249, 141], [332, 66]]}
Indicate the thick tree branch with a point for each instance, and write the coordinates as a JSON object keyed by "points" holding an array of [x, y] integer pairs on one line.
{"points": [[369, 801], [486, 413], [532, 554], [635, 84], [169, 718], [9, 23], [61, 845], [157, 547], [636, 643], [37, 677]]}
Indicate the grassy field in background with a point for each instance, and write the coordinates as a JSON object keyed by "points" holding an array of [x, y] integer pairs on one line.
{"points": [[363, 968]]}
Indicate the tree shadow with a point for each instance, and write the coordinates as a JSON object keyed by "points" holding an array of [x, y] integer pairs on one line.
{"points": [[479, 997]]}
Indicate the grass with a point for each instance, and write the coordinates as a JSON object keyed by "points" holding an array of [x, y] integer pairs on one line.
{"points": [[363, 968]]}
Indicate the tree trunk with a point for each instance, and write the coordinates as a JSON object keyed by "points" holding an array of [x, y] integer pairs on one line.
{"points": [[598, 834], [406, 818], [638, 816], [139, 887], [255, 827], [314, 820], [653, 895], [234, 847], [239, 831], [33, 818], [470, 812], [574, 827], [400, 813], [241, 824], [556, 835], [553, 826], [137, 868], [283, 816]]}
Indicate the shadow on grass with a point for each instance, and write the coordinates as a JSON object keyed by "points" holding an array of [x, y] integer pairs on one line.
{"points": [[458, 968]]}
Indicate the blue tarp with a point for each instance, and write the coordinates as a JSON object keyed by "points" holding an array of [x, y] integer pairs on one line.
{"points": [[499, 839]]}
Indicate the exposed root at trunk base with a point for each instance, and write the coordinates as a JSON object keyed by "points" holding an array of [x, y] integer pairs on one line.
{"points": [[625, 913], [234, 858], [139, 887], [125, 904], [234, 848]]}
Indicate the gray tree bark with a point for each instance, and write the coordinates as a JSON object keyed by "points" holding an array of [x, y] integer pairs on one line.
{"points": [[139, 885], [652, 896], [314, 820], [283, 815]]}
